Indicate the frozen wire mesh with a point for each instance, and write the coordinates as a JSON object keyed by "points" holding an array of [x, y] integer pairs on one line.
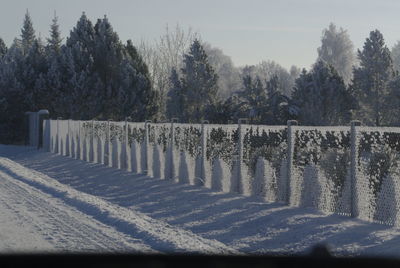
{"points": [[159, 153], [377, 173], [136, 144], [221, 161], [187, 147], [264, 161], [321, 168]]}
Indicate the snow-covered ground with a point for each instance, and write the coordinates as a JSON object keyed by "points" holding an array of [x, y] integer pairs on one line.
{"points": [[55, 203]]}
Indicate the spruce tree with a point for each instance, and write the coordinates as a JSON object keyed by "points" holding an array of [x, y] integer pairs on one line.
{"points": [[54, 42], [175, 100], [371, 79], [338, 50], [321, 97], [3, 48], [254, 98], [27, 33], [108, 54], [199, 82]]}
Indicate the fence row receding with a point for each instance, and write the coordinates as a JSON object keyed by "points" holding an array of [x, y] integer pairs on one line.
{"points": [[348, 170]]}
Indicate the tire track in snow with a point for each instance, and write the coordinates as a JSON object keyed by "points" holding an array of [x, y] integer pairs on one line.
{"points": [[64, 227], [160, 235]]}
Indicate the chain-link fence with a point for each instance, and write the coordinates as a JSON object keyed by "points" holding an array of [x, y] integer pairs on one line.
{"points": [[345, 170], [377, 172]]}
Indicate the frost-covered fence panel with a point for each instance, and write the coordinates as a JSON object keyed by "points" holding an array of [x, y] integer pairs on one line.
{"points": [[187, 152], [377, 174], [264, 161], [115, 140], [161, 157], [221, 163], [137, 147], [321, 169], [62, 136]]}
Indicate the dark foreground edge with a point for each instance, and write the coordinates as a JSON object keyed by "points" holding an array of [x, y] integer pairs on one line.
{"points": [[189, 261]]}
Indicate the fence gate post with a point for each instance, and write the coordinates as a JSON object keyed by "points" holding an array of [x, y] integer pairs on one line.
{"points": [[353, 167], [290, 152]]}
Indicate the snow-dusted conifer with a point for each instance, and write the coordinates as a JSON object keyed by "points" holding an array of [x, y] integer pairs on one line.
{"points": [[371, 80], [338, 50], [3, 48], [27, 33], [199, 82], [144, 104], [321, 97], [54, 42], [175, 99]]}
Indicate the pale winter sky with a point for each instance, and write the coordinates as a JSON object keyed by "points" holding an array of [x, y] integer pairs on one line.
{"points": [[286, 31]]}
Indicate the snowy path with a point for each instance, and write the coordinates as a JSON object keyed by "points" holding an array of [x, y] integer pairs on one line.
{"points": [[150, 210], [35, 221], [30, 200]]}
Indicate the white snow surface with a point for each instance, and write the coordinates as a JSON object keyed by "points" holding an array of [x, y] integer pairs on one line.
{"points": [[55, 203]]}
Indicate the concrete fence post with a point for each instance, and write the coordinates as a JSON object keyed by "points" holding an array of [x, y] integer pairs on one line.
{"points": [[290, 153], [353, 167]]}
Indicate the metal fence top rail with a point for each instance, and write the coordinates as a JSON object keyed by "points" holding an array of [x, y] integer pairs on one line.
{"points": [[246, 126]]}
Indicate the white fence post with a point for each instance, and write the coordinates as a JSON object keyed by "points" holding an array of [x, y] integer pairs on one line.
{"points": [[353, 167], [174, 172], [69, 139], [290, 152], [240, 155], [146, 147], [58, 135], [109, 154], [203, 152], [124, 161]]}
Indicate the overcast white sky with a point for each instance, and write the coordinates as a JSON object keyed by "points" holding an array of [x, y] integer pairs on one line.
{"points": [[286, 31]]}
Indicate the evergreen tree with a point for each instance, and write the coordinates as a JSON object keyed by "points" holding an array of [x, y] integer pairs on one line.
{"points": [[81, 97], [395, 55], [254, 98], [175, 100], [54, 42], [108, 54], [371, 79], [338, 50], [277, 104], [3, 48], [321, 97], [137, 98], [27, 33], [199, 82]]}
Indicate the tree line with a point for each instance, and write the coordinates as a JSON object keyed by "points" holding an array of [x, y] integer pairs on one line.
{"points": [[94, 75]]}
